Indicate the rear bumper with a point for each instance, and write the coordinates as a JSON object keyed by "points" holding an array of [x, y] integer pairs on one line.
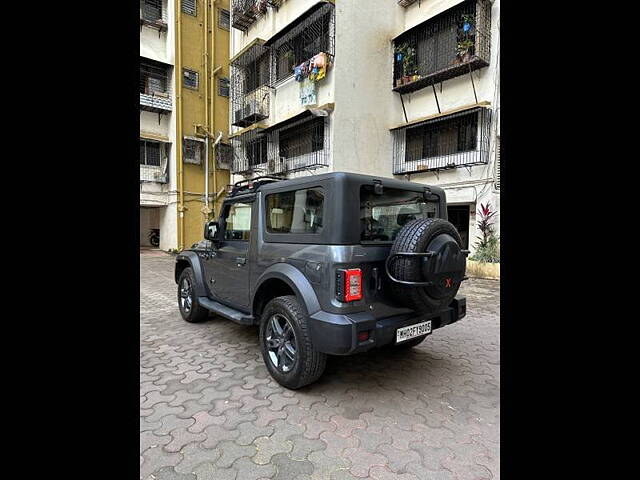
{"points": [[338, 334]]}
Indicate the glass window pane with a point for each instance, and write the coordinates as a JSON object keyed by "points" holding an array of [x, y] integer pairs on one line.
{"points": [[238, 223], [298, 212]]}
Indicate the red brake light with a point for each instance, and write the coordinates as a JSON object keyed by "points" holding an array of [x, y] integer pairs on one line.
{"points": [[352, 284]]}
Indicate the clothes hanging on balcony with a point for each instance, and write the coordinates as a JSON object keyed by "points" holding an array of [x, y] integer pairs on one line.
{"points": [[314, 69]]}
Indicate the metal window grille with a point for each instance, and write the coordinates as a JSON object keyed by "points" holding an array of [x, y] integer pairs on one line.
{"points": [[224, 19], [456, 140], [189, 7], [155, 85], [223, 87], [191, 78], [310, 36], [224, 156], [451, 44], [153, 14], [153, 161], [250, 91], [497, 181], [245, 12], [193, 151], [249, 152]]}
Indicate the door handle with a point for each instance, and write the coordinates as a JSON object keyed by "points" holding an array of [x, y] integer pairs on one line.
{"points": [[241, 260]]}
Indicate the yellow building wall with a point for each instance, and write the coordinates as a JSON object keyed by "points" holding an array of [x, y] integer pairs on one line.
{"points": [[202, 110]]}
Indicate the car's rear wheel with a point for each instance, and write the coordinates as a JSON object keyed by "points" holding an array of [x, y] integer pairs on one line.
{"points": [[190, 309], [286, 346]]}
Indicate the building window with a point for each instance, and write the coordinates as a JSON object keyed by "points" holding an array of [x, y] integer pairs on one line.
{"points": [[151, 10], [297, 212], [224, 19], [448, 45], [223, 87], [189, 7], [224, 156], [303, 41], [256, 151], [193, 151], [250, 91], [456, 140], [154, 77], [191, 79], [150, 153], [304, 139]]}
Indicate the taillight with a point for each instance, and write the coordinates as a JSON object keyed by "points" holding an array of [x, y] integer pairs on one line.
{"points": [[349, 284]]}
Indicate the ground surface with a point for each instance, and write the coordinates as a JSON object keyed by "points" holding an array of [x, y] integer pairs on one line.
{"points": [[209, 409]]}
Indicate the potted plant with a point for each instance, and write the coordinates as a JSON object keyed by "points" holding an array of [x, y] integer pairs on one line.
{"points": [[463, 50]]}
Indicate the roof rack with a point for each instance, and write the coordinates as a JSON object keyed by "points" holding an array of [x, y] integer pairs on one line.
{"points": [[251, 184]]}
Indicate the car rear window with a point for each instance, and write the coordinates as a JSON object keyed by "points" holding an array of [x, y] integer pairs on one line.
{"points": [[296, 212], [383, 216]]}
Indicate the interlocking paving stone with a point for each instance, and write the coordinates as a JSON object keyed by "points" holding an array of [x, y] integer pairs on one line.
{"points": [[210, 411]]}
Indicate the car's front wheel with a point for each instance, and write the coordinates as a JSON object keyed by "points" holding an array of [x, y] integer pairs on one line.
{"points": [[190, 309], [286, 346]]}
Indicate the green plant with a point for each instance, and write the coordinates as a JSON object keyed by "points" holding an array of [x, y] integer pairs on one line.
{"points": [[488, 244], [409, 66], [464, 47]]}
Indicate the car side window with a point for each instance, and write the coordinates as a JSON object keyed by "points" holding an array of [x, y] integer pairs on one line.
{"points": [[238, 222], [296, 212]]}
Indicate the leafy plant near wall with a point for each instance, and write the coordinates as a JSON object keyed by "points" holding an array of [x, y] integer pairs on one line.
{"points": [[466, 37], [407, 54], [488, 245]]}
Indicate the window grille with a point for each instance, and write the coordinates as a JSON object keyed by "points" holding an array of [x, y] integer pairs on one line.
{"points": [[301, 145], [193, 151], [153, 161], [224, 19], [151, 10], [223, 87], [497, 182], [250, 91], [245, 12], [456, 140], [191, 78], [302, 41], [451, 44], [249, 152], [155, 85], [189, 7]]}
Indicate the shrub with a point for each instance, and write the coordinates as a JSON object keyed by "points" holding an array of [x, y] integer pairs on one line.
{"points": [[488, 244]]}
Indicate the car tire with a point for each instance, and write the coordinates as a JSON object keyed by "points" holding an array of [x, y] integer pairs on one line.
{"points": [[190, 309], [416, 236], [286, 345]]}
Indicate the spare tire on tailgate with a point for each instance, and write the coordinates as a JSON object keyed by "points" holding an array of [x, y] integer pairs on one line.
{"points": [[439, 272]]}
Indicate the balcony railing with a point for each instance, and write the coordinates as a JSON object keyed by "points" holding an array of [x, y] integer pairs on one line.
{"points": [[245, 12], [457, 140], [151, 173], [155, 86], [452, 43], [301, 145], [252, 107]]}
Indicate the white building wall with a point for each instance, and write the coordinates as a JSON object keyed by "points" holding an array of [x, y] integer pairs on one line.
{"points": [[160, 46]]}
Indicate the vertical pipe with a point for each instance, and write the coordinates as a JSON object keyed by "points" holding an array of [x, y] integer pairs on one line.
{"points": [[206, 108], [213, 101], [179, 157]]}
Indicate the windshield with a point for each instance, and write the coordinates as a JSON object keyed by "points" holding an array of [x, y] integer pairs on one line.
{"points": [[383, 216]]}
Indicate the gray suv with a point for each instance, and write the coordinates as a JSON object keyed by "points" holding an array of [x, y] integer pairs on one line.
{"points": [[330, 264]]}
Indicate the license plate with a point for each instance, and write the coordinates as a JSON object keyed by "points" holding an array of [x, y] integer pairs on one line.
{"points": [[413, 331]]}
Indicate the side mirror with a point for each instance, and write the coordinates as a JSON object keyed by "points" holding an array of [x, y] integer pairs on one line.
{"points": [[211, 231]]}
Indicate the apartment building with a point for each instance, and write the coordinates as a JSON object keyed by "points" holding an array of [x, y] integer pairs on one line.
{"points": [[406, 88], [184, 102]]}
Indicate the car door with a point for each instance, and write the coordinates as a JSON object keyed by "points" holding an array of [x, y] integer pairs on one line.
{"points": [[227, 270]]}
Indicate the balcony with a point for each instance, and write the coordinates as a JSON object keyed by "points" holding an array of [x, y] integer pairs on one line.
{"points": [[445, 142], [155, 89], [451, 44], [249, 82], [249, 153]]}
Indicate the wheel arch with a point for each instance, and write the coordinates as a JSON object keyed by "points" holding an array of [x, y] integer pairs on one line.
{"points": [[190, 259], [283, 279]]}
